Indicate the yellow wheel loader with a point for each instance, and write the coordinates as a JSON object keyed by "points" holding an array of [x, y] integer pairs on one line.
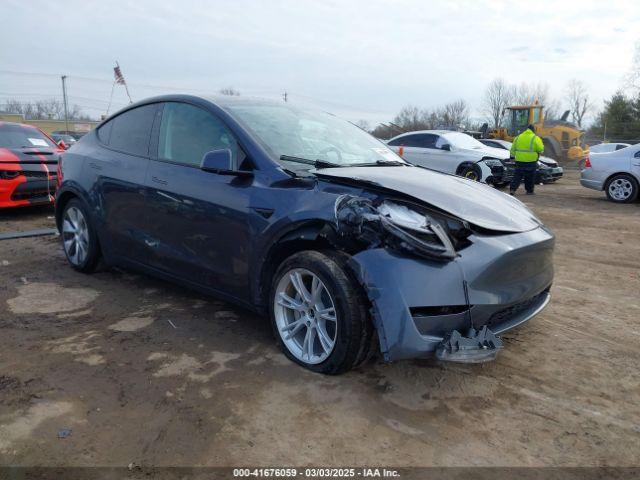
{"points": [[562, 139]]}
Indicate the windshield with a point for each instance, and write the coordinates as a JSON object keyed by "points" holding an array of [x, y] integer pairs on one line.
{"points": [[18, 136], [462, 140], [312, 135]]}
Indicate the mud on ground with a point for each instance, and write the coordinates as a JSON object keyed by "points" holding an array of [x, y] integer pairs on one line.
{"points": [[99, 355]]}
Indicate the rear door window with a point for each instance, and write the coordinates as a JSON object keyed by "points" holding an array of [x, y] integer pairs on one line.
{"points": [[130, 131]]}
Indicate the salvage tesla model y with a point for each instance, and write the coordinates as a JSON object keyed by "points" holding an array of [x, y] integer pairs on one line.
{"points": [[28, 166], [297, 213]]}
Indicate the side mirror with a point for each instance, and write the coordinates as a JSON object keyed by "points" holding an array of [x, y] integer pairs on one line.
{"points": [[221, 162], [446, 147], [62, 145]]}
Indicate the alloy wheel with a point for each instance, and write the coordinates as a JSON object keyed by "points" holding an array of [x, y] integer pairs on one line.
{"points": [[75, 235], [305, 316], [620, 189]]}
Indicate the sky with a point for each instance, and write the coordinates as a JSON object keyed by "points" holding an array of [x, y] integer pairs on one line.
{"points": [[358, 59]]}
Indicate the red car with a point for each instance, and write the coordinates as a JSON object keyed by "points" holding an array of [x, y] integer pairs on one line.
{"points": [[28, 166]]}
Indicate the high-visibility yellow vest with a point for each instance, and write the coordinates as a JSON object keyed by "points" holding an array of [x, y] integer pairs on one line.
{"points": [[527, 147]]}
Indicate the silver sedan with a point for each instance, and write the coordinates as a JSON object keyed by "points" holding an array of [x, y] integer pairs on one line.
{"points": [[617, 173]]}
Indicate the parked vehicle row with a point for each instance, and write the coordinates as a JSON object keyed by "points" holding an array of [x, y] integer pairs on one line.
{"points": [[348, 248]]}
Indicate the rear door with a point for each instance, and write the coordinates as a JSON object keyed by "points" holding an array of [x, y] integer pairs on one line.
{"points": [[418, 149], [117, 170], [199, 220]]}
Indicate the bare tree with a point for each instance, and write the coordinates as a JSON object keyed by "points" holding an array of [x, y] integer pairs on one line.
{"points": [[363, 124], [632, 79], [409, 118], [47, 109], [552, 109], [13, 106], [497, 96], [454, 114], [578, 100], [232, 92]]}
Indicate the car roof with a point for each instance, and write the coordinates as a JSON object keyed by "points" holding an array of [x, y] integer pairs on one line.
{"points": [[219, 101]]}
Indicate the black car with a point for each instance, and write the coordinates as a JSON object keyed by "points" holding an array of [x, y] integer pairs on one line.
{"points": [[300, 214]]}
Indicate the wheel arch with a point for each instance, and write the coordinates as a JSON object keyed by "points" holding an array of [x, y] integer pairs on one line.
{"points": [[304, 236], [471, 164], [466, 164], [621, 172], [61, 201]]}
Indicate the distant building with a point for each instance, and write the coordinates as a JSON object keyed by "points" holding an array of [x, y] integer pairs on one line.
{"points": [[50, 126]]}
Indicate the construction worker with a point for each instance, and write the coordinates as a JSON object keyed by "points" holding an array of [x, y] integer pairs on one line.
{"points": [[526, 149]]}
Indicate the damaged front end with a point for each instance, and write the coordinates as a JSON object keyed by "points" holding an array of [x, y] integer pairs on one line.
{"points": [[438, 285]]}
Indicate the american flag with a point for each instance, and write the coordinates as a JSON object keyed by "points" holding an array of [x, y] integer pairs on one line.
{"points": [[117, 73]]}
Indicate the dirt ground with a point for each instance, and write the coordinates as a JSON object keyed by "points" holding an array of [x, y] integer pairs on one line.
{"points": [[147, 373]]}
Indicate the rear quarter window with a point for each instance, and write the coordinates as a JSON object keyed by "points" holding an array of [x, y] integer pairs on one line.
{"points": [[130, 131]]}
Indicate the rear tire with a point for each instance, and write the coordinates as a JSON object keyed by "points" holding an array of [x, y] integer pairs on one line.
{"points": [[308, 289], [79, 239], [622, 188]]}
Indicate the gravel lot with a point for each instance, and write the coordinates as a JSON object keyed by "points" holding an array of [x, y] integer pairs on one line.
{"points": [[99, 355]]}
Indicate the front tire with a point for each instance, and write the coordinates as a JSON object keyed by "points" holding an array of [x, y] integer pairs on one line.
{"points": [[472, 172], [319, 313], [79, 239], [622, 188]]}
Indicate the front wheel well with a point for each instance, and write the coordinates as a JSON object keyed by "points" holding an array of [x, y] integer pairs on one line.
{"points": [[464, 165], [307, 238]]}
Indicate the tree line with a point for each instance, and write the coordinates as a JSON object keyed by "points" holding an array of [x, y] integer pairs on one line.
{"points": [[617, 120], [47, 109]]}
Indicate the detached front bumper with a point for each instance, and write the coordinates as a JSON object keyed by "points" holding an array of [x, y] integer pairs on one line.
{"points": [[499, 281]]}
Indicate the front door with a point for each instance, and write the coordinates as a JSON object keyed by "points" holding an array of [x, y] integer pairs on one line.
{"points": [[199, 220]]}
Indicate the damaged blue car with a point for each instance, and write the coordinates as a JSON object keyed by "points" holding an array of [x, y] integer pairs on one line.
{"points": [[296, 213]]}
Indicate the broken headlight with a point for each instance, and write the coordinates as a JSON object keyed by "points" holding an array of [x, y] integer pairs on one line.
{"points": [[417, 231], [493, 163], [393, 225]]}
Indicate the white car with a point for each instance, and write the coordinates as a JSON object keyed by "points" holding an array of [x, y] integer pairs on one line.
{"points": [[617, 173], [456, 153], [608, 147]]}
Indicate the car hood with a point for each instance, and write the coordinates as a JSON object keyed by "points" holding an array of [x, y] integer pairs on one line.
{"points": [[487, 151], [29, 155], [550, 162], [472, 201]]}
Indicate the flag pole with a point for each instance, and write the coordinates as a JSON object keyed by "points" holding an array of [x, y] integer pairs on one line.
{"points": [[126, 87], [113, 85]]}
